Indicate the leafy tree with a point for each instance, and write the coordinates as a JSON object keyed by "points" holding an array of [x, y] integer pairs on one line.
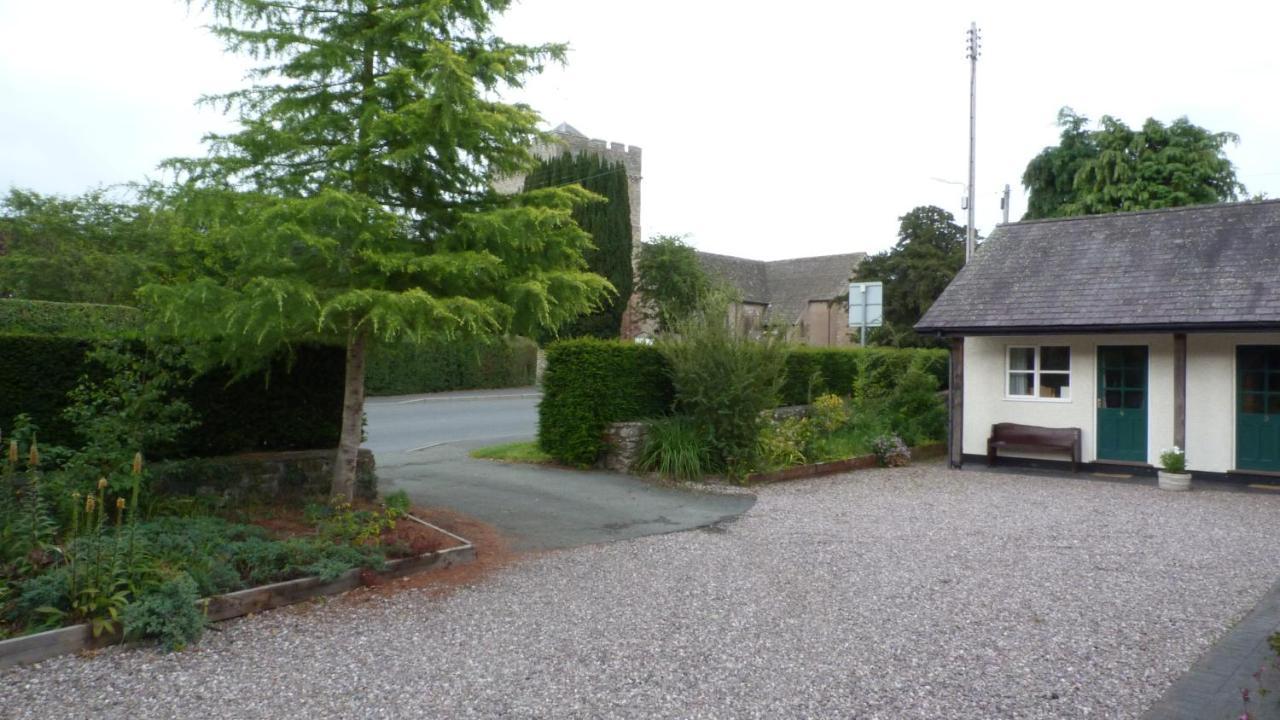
{"points": [[88, 248], [915, 271], [670, 280], [354, 203], [1115, 168], [609, 224]]}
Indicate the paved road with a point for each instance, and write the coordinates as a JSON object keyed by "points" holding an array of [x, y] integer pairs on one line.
{"points": [[421, 446]]}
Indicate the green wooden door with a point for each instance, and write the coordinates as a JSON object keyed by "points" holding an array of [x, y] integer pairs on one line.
{"points": [[1258, 407], [1122, 403]]}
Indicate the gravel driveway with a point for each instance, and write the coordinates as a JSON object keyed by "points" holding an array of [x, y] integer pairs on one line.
{"points": [[913, 593]]}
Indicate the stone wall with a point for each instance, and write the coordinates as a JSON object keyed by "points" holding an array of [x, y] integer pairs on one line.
{"points": [[623, 443], [298, 473]]}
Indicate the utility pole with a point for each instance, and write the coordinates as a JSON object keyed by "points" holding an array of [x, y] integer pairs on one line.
{"points": [[1004, 203], [974, 48]]}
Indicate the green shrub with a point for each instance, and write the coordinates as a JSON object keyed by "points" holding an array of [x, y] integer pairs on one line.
{"points": [[294, 405], [168, 613], [723, 381], [590, 383], [787, 442], [830, 413], [811, 372], [675, 449], [77, 320], [407, 369], [900, 400]]}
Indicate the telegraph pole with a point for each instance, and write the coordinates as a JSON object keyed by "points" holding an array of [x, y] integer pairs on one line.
{"points": [[974, 48]]}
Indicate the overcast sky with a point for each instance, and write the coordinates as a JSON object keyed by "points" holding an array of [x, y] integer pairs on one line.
{"points": [[769, 130]]}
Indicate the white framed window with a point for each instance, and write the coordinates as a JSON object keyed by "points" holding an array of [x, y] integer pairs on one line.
{"points": [[1038, 372]]}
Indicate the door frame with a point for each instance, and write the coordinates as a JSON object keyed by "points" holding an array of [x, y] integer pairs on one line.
{"points": [[1237, 392], [1098, 391]]}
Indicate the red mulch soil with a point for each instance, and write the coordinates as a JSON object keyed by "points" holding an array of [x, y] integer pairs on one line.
{"points": [[407, 539]]}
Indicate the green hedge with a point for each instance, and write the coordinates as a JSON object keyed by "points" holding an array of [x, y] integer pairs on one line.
{"points": [[459, 365], [79, 320], [814, 371], [591, 383], [297, 407]]}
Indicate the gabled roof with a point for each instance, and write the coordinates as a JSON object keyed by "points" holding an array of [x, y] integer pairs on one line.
{"points": [[1205, 267], [786, 286], [565, 128]]}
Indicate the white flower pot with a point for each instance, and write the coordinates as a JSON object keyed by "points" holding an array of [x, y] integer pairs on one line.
{"points": [[1174, 481]]}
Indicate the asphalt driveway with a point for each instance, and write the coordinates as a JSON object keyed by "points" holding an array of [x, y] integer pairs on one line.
{"points": [[907, 594], [421, 445]]}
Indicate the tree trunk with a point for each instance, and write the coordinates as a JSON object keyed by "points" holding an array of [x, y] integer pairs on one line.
{"points": [[344, 469]]}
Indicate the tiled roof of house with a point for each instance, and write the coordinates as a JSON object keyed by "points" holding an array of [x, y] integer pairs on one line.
{"points": [[1205, 267], [786, 286]]}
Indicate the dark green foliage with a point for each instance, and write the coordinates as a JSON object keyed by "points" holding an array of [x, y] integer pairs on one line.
{"points": [[78, 320], [898, 394], [590, 383], [168, 613], [77, 249], [811, 372], [609, 224], [675, 449], [437, 366], [724, 380], [1115, 168], [670, 281], [292, 407], [915, 271]]}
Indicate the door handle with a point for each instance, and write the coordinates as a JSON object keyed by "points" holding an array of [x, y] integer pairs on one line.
{"points": [[1099, 403]]}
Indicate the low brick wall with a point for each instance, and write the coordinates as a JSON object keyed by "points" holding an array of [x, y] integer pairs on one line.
{"points": [[261, 475]]}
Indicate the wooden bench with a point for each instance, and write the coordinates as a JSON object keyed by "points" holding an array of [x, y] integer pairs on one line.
{"points": [[1030, 438]]}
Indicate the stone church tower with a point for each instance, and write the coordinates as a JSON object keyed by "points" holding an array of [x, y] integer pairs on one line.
{"points": [[567, 140]]}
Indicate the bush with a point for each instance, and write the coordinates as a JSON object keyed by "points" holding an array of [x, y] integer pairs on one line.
{"points": [[590, 383], [291, 406], [406, 369], [675, 449], [77, 320], [891, 451], [830, 413], [167, 613], [723, 381], [811, 372], [906, 404], [787, 442]]}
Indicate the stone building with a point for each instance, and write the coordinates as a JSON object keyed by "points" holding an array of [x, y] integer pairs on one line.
{"points": [[805, 297]]}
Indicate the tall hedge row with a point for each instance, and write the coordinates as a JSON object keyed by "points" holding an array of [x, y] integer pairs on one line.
{"points": [[292, 407], [456, 365], [79, 320], [591, 383]]}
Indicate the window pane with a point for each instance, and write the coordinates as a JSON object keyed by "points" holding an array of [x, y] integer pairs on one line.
{"points": [[1133, 399], [1253, 358], [1055, 385], [1273, 404], [1020, 383], [1135, 356], [1133, 378], [1275, 382], [1253, 381], [1055, 358], [1112, 378], [1252, 403], [1022, 358], [1112, 399]]}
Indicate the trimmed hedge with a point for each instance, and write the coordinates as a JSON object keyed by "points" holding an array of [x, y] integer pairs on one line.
{"points": [[590, 383], [407, 369], [297, 407], [814, 371], [78, 320]]}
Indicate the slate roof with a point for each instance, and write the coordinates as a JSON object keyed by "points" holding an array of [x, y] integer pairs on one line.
{"points": [[786, 286], [1210, 267]]}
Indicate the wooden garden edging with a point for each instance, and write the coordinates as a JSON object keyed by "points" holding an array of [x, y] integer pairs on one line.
{"points": [[51, 643], [834, 467]]}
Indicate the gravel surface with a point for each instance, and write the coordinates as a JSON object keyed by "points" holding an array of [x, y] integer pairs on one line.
{"points": [[912, 593]]}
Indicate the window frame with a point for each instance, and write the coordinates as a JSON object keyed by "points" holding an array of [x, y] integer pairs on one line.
{"points": [[1036, 373]]}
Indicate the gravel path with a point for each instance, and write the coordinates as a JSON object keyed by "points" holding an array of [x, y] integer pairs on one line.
{"points": [[914, 593]]}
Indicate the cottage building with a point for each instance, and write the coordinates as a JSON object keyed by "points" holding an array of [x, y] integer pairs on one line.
{"points": [[1144, 330]]}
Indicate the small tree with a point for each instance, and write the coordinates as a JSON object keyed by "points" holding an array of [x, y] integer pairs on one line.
{"points": [[670, 281], [608, 223], [354, 204]]}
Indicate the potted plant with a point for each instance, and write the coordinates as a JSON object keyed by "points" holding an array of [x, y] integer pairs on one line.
{"points": [[1173, 470]]}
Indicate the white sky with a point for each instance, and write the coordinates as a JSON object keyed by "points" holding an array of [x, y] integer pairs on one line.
{"points": [[769, 130]]}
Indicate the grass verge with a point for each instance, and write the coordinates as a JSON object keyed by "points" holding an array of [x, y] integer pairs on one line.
{"points": [[525, 452]]}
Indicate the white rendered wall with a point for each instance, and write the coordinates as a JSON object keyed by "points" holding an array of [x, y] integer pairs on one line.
{"points": [[985, 403], [1211, 397]]}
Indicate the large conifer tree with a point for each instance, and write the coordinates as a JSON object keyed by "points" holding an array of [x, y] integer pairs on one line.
{"points": [[353, 204], [609, 224]]}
